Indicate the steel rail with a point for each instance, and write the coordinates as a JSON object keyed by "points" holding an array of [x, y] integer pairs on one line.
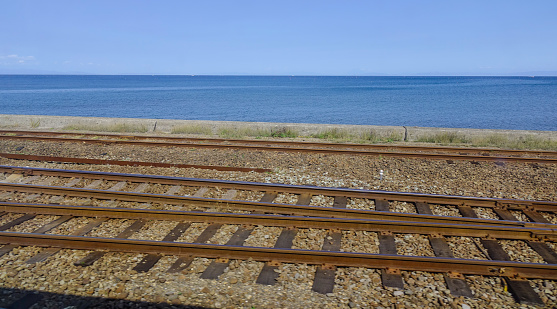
{"points": [[276, 208], [395, 226], [297, 189], [129, 163], [290, 149], [344, 259], [291, 143]]}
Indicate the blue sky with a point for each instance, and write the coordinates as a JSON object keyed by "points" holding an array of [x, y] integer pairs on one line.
{"points": [[279, 37]]}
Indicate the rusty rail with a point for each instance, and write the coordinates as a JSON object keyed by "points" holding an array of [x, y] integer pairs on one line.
{"points": [[467, 229], [296, 189], [380, 261], [291, 143], [129, 163], [275, 208], [415, 155]]}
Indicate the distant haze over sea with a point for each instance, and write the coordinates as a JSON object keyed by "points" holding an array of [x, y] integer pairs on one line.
{"points": [[498, 102]]}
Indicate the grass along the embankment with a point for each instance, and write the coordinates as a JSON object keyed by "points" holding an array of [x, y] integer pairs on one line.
{"points": [[340, 135], [114, 128], [491, 140]]}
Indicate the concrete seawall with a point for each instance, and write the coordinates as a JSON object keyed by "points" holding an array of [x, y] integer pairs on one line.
{"points": [[37, 122]]}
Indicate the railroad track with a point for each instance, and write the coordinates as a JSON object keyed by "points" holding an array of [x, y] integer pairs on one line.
{"points": [[328, 258], [128, 163], [287, 198], [293, 210], [439, 153]]}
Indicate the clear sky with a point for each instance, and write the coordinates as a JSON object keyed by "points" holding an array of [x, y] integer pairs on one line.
{"points": [[348, 37]]}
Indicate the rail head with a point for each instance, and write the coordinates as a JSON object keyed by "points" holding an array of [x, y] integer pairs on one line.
{"points": [[297, 189], [344, 259]]}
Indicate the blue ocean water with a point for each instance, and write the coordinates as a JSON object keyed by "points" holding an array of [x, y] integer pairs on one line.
{"points": [[520, 103]]}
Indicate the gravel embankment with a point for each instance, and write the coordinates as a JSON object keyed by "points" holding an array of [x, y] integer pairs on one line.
{"points": [[236, 288]]}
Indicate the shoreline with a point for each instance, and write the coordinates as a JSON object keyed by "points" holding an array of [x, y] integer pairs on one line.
{"points": [[166, 126]]}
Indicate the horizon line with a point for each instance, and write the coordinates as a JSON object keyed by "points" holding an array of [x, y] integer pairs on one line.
{"points": [[274, 75]]}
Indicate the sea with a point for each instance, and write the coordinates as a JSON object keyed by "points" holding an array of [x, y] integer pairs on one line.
{"points": [[513, 103]]}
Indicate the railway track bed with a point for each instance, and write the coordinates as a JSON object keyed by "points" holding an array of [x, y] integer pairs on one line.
{"points": [[183, 233], [424, 152], [320, 230]]}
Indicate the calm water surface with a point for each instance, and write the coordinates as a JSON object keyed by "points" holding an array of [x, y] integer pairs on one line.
{"points": [[522, 103]]}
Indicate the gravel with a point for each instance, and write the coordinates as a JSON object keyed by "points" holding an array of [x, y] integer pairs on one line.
{"points": [[112, 275]]}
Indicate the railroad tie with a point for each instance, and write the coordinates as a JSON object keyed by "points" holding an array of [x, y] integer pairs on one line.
{"points": [[12, 178], [381, 205], [540, 247], [390, 277], [268, 197], [116, 187], [151, 259], [217, 267], [467, 211], [324, 281], [6, 195], [173, 190], [17, 221], [95, 184], [184, 262], [455, 282], [268, 275], [200, 192], [423, 208], [340, 202], [230, 194], [56, 199], [26, 180], [46, 253], [142, 187], [535, 216], [73, 182], [94, 256], [43, 182], [505, 214], [304, 199], [45, 228], [520, 289], [544, 251], [30, 179]]}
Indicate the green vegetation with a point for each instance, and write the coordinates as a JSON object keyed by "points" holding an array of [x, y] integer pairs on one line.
{"points": [[283, 132], [239, 132], [247, 131], [344, 135], [334, 134], [444, 138], [35, 123], [522, 142], [494, 140], [192, 129], [117, 127]]}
